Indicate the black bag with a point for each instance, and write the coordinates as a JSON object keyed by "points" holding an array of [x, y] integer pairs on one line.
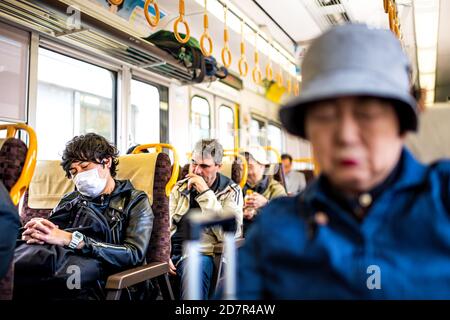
{"points": [[48, 268], [53, 263], [189, 53], [213, 71]]}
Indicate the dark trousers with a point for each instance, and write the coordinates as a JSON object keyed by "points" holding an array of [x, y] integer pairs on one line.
{"points": [[207, 267]]}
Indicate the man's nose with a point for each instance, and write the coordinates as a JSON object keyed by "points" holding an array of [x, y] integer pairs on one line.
{"points": [[197, 170]]}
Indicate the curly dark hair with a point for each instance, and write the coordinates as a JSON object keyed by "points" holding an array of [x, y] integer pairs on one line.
{"points": [[89, 147]]}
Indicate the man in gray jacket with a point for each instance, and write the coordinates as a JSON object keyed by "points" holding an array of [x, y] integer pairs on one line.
{"points": [[212, 193]]}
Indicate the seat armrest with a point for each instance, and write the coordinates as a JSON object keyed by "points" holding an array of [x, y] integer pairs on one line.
{"points": [[218, 248], [136, 275]]}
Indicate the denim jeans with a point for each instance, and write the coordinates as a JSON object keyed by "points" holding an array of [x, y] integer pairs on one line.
{"points": [[207, 267]]}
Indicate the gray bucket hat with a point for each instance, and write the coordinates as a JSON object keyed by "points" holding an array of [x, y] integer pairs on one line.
{"points": [[353, 59]]}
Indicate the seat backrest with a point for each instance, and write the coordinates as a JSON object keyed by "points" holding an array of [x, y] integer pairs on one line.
{"points": [[276, 171], [17, 160], [151, 172], [183, 172], [309, 175], [12, 160], [236, 169], [48, 185]]}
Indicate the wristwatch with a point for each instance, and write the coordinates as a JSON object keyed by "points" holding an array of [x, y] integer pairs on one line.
{"points": [[77, 237]]}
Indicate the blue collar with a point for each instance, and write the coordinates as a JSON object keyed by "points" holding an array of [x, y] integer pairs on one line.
{"points": [[411, 174]]}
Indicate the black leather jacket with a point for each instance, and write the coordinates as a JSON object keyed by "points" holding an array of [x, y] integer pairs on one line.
{"points": [[116, 227], [9, 229]]}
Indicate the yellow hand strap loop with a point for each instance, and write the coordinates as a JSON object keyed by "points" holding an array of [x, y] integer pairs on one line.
{"points": [[115, 2], [386, 5], [296, 88], [152, 21], [391, 13], [269, 71], [205, 35], [256, 72], [289, 85], [226, 53], [243, 65], [279, 77], [181, 20]]}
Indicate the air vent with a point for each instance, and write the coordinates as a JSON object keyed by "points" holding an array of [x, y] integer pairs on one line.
{"points": [[325, 3], [328, 13], [49, 17], [337, 18]]}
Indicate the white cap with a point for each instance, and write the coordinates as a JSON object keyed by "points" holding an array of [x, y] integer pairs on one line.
{"points": [[258, 153]]}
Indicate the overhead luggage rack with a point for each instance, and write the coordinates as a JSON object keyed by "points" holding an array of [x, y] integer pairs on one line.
{"points": [[50, 17]]}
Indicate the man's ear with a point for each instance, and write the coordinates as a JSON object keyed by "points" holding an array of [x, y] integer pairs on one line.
{"points": [[107, 162]]}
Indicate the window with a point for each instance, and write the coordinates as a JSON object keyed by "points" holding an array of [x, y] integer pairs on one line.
{"points": [[258, 132], [226, 127], [74, 98], [275, 140], [145, 113], [200, 119], [14, 46]]}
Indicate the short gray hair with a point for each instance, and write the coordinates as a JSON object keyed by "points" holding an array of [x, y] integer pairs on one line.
{"points": [[209, 148]]}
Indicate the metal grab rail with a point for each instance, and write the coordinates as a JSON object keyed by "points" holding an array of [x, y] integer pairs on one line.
{"points": [[197, 221], [158, 148], [275, 151], [244, 165]]}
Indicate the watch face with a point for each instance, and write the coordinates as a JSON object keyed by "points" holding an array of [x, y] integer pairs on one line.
{"points": [[77, 237]]}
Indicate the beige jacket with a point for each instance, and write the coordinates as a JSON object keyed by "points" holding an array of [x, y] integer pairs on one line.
{"points": [[227, 199], [274, 190]]}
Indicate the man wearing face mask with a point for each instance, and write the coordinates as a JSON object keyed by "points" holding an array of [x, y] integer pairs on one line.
{"points": [[211, 192], [105, 221]]}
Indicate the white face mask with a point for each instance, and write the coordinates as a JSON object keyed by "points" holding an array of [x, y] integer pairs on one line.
{"points": [[89, 183]]}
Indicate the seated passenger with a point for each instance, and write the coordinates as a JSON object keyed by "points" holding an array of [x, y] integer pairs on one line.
{"points": [[376, 222], [9, 229], [102, 227], [213, 193], [260, 188], [295, 181]]}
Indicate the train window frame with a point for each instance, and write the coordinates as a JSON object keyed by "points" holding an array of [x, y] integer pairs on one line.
{"points": [[91, 60], [25, 62], [210, 108], [283, 142], [221, 105], [260, 119], [164, 108]]}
